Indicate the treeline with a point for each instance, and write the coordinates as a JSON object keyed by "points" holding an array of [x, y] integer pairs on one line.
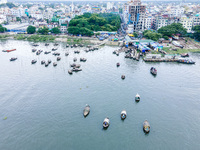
{"points": [[166, 32], [87, 23]]}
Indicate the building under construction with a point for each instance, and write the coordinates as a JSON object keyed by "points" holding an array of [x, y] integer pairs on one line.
{"points": [[137, 11]]}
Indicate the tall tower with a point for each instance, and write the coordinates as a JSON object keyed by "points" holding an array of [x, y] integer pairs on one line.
{"points": [[137, 13], [72, 6]]}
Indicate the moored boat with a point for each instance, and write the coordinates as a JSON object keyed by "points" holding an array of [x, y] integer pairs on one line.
{"points": [[106, 123], [86, 110], [46, 64], [46, 44], [153, 71], [46, 52], [67, 45], [137, 98], [54, 49], [123, 114], [184, 55], [49, 61], [186, 61], [146, 126], [76, 52]]}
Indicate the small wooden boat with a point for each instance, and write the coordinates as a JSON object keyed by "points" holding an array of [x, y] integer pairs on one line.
{"points": [[117, 53], [83, 59], [76, 52], [56, 44], [70, 71], [76, 69], [67, 45], [81, 45], [72, 46], [75, 59], [123, 114], [54, 49], [9, 50], [58, 58], [184, 55], [123, 77], [46, 52], [54, 64], [42, 62], [153, 71], [34, 50], [35, 44], [75, 45], [46, 44], [46, 64], [33, 61], [118, 64], [106, 123], [75, 65], [137, 98], [86, 110], [49, 61], [56, 54], [13, 58], [146, 126], [66, 54]]}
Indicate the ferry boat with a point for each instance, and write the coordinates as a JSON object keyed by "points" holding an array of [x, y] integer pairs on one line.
{"points": [[184, 55], [186, 61]]}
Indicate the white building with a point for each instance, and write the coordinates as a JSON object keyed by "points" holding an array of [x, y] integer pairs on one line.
{"points": [[196, 20], [109, 5], [187, 23], [3, 1], [177, 11]]}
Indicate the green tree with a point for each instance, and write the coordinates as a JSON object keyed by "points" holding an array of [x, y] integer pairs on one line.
{"points": [[166, 37], [174, 28], [18, 19], [196, 30], [152, 35], [2, 29], [31, 30], [55, 30], [43, 30], [135, 34]]}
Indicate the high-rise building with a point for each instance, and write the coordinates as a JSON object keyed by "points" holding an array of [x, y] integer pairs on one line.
{"points": [[137, 13]]}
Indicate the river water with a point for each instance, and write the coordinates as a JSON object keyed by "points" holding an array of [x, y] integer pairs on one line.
{"points": [[44, 105]]}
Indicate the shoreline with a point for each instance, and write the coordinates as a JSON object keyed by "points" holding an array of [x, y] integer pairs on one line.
{"points": [[62, 38]]}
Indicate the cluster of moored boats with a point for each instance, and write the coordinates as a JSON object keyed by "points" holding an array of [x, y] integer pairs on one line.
{"points": [[123, 115]]}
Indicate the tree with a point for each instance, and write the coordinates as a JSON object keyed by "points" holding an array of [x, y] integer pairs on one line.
{"points": [[135, 34], [196, 30], [55, 30], [152, 35], [18, 19], [31, 30], [43, 30], [2, 29], [173, 29]]}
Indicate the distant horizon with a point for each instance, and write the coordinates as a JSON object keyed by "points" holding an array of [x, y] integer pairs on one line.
{"points": [[188, 1]]}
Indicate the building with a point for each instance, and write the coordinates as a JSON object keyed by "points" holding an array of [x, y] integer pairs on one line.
{"points": [[187, 23], [3, 1], [109, 5], [137, 13]]}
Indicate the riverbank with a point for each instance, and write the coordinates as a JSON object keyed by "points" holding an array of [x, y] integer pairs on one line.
{"points": [[60, 38]]}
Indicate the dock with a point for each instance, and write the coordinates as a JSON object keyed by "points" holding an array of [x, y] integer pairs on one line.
{"points": [[160, 60]]}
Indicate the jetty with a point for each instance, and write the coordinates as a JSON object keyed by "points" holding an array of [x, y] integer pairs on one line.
{"points": [[158, 58]]}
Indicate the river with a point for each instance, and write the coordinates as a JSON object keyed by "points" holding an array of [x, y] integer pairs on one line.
{"points": [[44, 105]]}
